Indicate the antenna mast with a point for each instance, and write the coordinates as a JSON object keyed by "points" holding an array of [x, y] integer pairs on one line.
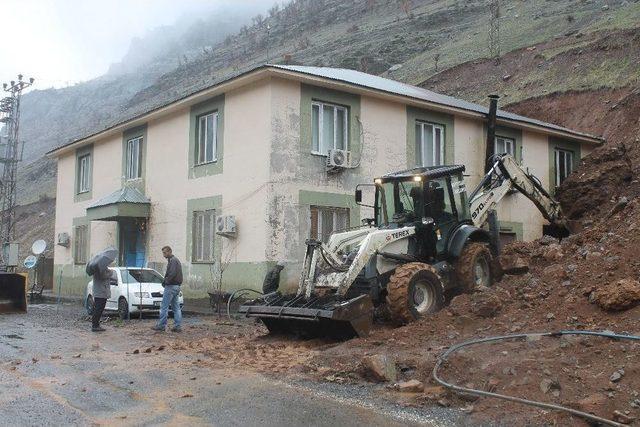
{"points": [[10, 155]]}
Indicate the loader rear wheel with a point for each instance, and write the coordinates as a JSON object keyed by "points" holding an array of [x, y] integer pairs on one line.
{"points": [[414, 289], [474, 267]]}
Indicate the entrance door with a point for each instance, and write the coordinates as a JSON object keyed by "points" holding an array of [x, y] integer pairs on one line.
{"points": [[132, 242]]}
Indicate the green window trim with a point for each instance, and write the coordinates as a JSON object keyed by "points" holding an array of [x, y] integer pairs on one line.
{"points": [[515, 135], [512, 227], [215, 167], [137, 132], [554, 143], [198, 205], [307, 199], [85, 195], [311, 94], [418, 115], [79, 222]]}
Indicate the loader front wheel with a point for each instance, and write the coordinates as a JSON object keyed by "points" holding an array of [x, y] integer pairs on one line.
{"points": [[414, 290], [474, 267]]}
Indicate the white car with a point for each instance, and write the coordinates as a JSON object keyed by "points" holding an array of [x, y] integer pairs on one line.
{"points": [[136, 289]]}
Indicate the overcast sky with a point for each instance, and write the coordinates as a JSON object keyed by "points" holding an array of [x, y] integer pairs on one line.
{"points": [[61, 42]]}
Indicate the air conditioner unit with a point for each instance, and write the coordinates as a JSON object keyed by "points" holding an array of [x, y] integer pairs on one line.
{"points": [[63, 239], [338, 159], [226, 225]]}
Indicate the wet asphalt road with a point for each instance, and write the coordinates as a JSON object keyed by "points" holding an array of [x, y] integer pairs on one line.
{"points": [[54, 372]]}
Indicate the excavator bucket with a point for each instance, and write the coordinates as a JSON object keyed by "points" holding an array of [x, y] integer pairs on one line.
{"points": [[313, 317]]}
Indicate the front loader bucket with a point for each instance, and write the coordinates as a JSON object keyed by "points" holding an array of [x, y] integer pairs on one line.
{"points": [[314, 317]]}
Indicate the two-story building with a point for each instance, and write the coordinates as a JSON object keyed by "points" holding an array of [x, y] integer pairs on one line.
{"points": [[253, 147]]}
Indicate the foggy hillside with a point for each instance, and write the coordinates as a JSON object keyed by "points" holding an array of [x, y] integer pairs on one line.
{"points": [[414, 41]]}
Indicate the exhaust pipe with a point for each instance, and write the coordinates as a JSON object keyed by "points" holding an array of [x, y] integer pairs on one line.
{"points": [[491, 132]]}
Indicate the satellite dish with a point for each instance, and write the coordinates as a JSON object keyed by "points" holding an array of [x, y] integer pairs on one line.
{"points": [[30, 262], [38, 247]]}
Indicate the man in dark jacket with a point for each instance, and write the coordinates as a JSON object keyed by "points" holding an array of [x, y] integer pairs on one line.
{"points": [[101, 293], [170, 296]]}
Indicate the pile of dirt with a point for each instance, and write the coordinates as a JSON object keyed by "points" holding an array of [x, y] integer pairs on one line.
{"points": [[588, 281]]}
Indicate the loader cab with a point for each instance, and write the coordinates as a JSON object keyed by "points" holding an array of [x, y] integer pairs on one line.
{"points": [[433, 199]]}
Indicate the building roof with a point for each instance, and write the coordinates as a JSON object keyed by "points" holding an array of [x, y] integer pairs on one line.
{"points": [[355, 79], [124, 195], [370, 81]]}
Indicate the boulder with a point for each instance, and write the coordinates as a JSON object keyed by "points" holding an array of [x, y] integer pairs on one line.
{"points": [[486, 304], [380, 367], [411, 386], [592, 404], [616, 296], [514, 265]]}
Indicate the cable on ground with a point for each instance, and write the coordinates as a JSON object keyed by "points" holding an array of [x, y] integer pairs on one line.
{"points": [[464, 390]]}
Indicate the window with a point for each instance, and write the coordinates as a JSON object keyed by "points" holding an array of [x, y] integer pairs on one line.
{"points": [[80, 248], [203, 234], [206, 146], [329, 127], [84, 173], [134, 158], [327, 220], [505, 146], [564, 165], [429, 144]]}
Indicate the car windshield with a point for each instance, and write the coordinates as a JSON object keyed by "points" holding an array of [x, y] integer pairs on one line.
{"points": [[141, 276]]}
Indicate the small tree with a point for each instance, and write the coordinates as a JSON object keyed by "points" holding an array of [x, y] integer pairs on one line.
{"points": [[218, 268]]}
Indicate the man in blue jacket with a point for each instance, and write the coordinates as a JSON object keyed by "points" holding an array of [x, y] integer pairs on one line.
{"points": [[170, 296]]}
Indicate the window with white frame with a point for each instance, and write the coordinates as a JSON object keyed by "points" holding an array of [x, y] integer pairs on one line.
{"points": [[328, 220], [84, 173], [207, 142], [81, 245], [429, 144], [564, 165], [505, 145], [203, 235], [330, 128], [134, 158]]}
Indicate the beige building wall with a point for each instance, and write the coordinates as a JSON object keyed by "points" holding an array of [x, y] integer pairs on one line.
{"points": [[269, 179]]}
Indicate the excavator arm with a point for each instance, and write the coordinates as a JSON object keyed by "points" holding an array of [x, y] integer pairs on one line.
{"points": [[505, 176]]}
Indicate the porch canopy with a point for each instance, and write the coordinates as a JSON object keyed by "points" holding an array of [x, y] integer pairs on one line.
{"points": [[127, 202]]}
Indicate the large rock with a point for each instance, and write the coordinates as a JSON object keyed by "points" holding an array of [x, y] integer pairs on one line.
{"points": [[620, 295], [380, 367], [514, 265], [411, 386], [486, 304]]}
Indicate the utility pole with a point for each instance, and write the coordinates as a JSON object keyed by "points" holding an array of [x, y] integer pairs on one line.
{"points": [[10, 117]]}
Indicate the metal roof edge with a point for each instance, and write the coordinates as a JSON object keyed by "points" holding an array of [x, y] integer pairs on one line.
{"points": [[283, 70]]}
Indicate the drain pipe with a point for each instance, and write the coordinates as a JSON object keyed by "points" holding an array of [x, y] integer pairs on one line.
{"points": [[490, 151]]}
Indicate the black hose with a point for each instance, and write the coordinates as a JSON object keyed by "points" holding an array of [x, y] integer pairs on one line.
{"points": [[240, 292], [338, 268], [464, 390]]}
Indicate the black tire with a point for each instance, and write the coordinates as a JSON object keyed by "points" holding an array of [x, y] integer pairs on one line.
{"points": [[88, 305], [475, 267], [414, 290], [123, 308]]}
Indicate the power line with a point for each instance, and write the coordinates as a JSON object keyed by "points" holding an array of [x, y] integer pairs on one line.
{"points": [[10, 116]]}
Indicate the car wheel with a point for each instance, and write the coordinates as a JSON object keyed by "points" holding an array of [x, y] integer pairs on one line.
{"points": [[88, 305], [123, 308]]}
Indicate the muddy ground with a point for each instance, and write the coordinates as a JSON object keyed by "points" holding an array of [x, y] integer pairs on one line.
{"points": [[53, 371]]}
